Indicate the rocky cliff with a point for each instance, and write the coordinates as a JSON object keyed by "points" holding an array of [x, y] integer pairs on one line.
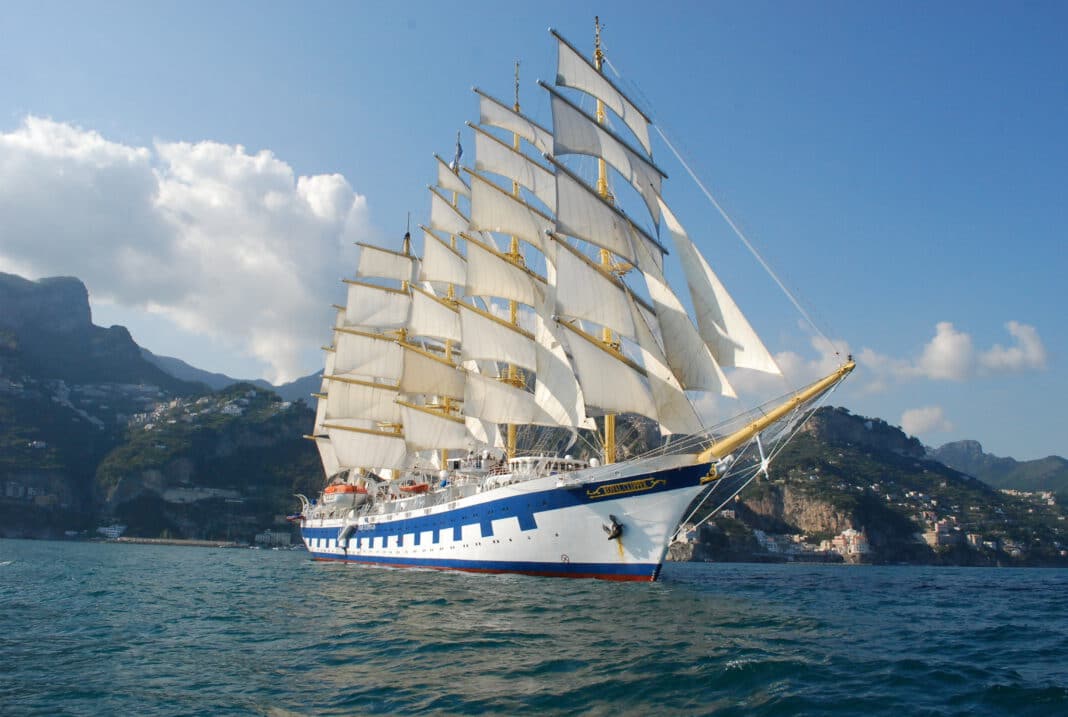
{"points": [[850, 472], [60, 302], [1043, 474], [48, 333]]}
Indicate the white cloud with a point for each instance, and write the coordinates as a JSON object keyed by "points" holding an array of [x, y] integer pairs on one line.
{"points": [[949, 355], [224, 243], [756, 386], [1028, 353], [929, 419]]}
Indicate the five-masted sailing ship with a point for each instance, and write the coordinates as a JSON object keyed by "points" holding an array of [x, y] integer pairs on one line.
{"points": [[538, 312]]}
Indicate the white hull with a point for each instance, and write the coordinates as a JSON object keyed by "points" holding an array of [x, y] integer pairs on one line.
{"points": [[554, 525]]}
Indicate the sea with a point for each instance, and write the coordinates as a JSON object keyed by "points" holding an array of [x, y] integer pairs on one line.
{"points": [[103, 629]]}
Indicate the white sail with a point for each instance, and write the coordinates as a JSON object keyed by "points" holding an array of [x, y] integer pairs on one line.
{"points": [[327, 455], [495, 340], [424, 373], [364, 354], [451, 181], [583, 292], [495, 210], [320, 398], [444, 216], [497, 114], [441, 263], [724, 328], [575, 132], [320, 410], [574, 70], [674, 411], [383, 263], [490, 274], [425, 430], [485, 433], [581, 213], [556, 389], [376, 307], [432, 317], [686, 354], [352, 398], [358, 446], [496, 401], [493, 155], [608, 383]]}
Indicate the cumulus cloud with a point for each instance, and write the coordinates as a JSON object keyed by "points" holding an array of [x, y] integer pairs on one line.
{"points": [[928, 419], [951, 356], [1028, 353], [223, 242], [756, 386]]}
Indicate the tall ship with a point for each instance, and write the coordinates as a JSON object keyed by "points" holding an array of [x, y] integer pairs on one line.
{"points": [[472, 395]]}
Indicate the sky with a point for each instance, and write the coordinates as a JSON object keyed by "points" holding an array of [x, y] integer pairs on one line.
{"points": [[903, 167]]}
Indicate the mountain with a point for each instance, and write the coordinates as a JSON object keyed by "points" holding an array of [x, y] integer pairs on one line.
{"points": [[93, 428], [1043, 474], [46, 331], [223, 465], [296, 390], [844, 472]]}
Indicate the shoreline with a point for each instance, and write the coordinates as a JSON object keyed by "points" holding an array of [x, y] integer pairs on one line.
{"points": [[187, 542]]}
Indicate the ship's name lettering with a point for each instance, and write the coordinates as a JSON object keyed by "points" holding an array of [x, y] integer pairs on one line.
{"points": [[630, 486]]}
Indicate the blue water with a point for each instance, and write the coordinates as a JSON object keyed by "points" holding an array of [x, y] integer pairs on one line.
{"points": [[88, 629]]}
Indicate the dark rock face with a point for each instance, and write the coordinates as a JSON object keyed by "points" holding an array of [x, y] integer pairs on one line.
{"points": [[48, 333], [1050, 473], [838, 425], [60, 303]]}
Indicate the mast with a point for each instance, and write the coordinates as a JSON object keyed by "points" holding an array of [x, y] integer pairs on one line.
{"points": [[513, 378], [606, 256], [450, 296]]}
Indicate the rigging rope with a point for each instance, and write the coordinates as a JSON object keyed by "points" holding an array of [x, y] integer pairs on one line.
{"points": [[726, 217], [780, 445]]}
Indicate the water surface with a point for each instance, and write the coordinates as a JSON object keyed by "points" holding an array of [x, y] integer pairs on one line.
{"points": [[90, 629]]}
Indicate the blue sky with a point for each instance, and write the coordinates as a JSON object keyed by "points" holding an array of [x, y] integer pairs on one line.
{"points": [[900, 165]]}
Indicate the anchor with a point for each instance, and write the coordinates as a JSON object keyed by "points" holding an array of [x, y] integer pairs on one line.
{"points": [[616, 529]]}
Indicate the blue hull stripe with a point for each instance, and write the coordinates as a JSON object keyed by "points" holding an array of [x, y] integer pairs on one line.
{"points": [[522, 507], [646, 571]]}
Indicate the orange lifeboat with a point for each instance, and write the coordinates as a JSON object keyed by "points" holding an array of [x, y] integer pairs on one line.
{"points": [[342, 488], [416, 488]]}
